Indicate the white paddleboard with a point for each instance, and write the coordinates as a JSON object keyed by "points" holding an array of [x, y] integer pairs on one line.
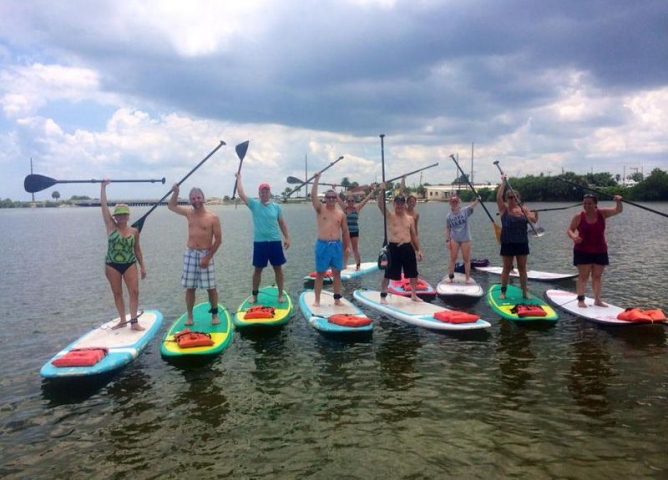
{"points": [[459, 288], [123, 345], [531, 274], [606, 315], [348, 273], [317, 317], [420, 314]]}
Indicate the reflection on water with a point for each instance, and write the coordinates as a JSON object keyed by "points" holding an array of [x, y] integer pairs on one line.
{"points": [[571, 401]]}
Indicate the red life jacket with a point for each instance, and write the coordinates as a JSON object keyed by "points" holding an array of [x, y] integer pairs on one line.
{"points": [[523, 310], [405, 284], [453, 316], [186, 338], [259, 311], [328, 273], [80, 357], [639, 315], [349, 320]]}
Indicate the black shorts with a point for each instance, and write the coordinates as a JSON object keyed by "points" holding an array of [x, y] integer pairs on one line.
{"points": [[586, 258], [513, 249], [402, 256]]}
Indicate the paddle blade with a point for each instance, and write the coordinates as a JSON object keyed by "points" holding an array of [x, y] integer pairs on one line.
{"points": [[497, 232], [139, 224], [36, 183], [241, 149], [293, 180], [384, 258]]}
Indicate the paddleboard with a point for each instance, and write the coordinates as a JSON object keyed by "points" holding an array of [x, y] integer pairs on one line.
{"points": [[459, 288], [568, 302], [532, 274], [318, 317], [221, 334], [123, 345], [402, 287], [267, 297], [420, 314], [348, 273], [505, 307]]}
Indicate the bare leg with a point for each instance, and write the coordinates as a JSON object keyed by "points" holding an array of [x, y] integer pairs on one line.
{"points": [[596, 273], [116, 284], [505, 273], [383, 289], [336, 274], [190, 304], [131, 278], [257, 278], [356, 252], [213, 301], [466, 255], [454, 251], [278, 273], [414, 297], [317, 287], [583, 275], [522, 269]]}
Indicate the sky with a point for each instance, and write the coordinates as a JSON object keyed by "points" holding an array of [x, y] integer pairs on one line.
{"points": [[125, 89]]}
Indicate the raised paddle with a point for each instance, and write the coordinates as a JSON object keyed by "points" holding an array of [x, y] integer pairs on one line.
{"points": [[294, 180], [139, 224], [610, 196], [384, 255], [538, 232], [287, 195], [241, 150], [36, 183], [413, 172], [497, 229]]}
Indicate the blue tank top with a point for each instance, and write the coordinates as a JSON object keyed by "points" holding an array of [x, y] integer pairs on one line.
{"points": [[352, 218], [514, 229]]}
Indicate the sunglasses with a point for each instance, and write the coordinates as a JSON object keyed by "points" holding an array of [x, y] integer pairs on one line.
{"points": [[330, 197], [511, 197]]}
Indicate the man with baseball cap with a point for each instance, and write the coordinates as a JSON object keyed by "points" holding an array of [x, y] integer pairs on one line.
{"points": [[268, 225]]}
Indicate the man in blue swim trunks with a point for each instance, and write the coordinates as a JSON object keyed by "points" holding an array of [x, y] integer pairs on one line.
{"points": [[332, 228], [268, 225]]}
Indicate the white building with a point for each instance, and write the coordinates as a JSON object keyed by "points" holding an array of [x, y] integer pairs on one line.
{"points": [[444, 192]]}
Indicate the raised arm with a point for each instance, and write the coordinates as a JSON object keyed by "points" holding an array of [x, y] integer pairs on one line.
{"points": [[402, 186], [381, 198], [173, 204], [610, 212], [106, 214], [315, 201], [360, 205], [240, 189], [499, 196]]}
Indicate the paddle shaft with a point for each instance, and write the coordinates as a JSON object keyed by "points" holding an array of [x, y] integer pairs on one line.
{"points": [[611, 196], [517, 198], [36, 183], [309, 180], [382, 170], [471, 186], [139, 224], [411, 173]]}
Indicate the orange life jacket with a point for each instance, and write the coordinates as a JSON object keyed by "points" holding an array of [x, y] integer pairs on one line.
{"points": [[328, 273], [259, 311], [80, 357], [639, 315], [452, 316], [349, 320], [523, 310], [405, 284], [186, 338]]}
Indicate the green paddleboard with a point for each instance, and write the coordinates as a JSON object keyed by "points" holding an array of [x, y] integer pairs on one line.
{"points": [[221, 334], [266, 297], [516, 307]]}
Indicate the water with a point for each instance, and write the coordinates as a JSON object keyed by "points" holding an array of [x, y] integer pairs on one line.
{"points": [[572, 401]]}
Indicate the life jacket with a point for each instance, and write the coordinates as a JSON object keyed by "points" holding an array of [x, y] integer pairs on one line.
{"points": [[639, 315], [186, 338], [349, 320], [80, 357], [259, 311], [328, 273], [523, 310], [453, 316], [405, 284]]}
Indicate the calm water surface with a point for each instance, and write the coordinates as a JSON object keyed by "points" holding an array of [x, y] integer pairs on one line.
{"points": [[572, 401]]}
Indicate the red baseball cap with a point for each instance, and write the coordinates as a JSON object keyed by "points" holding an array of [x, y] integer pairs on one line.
{"points": [[263, 186]]}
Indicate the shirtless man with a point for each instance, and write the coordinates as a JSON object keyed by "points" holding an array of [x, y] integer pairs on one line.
{"points": [[404, 246], [411, 201], [332, 226], [204, 238]]}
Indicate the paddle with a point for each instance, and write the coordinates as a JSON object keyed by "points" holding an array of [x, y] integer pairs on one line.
{"points": [[384, 255], [412, 173], [36, 183], [538, 232], [310, 179], [241, 150], [610, 196], [139, 224], [556, 208], [497, 229]]}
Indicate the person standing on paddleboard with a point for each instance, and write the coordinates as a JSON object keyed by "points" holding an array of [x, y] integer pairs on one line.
{"points": [[204, 239], [352, 211], [411, 202], [590, 250], [403, 245], [123, 254], [514, 237], [333, 239], [458, 236], [268, 224]]}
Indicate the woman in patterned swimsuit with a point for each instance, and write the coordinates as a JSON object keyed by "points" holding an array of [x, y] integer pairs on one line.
{"points": [[123, 254]]}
